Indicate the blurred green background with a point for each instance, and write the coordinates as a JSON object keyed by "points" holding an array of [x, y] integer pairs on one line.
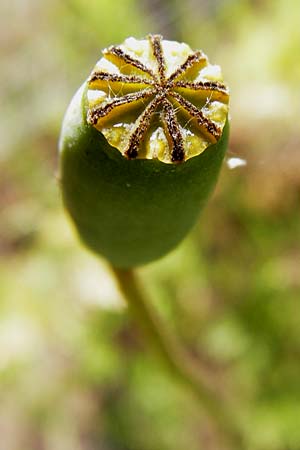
{"points": [[75, 373]]}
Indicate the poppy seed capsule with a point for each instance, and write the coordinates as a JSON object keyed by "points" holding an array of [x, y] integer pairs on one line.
{"points": [[141, 146]]}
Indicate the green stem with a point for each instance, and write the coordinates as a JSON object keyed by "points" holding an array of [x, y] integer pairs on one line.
{"points": [[175, 357]]}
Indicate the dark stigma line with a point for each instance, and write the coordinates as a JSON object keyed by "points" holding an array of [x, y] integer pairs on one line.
{"points": [[177, 154], [117, 51], [155, 41], [211, 128]]}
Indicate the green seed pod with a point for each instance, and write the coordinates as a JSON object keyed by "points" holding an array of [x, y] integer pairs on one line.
{"points": [[141, 147]]}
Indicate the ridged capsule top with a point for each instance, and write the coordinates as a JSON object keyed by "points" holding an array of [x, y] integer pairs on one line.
{"points": [[157, 99]]}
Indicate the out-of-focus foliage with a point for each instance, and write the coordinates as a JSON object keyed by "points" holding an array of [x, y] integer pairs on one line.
{"points": [[74, 371]]}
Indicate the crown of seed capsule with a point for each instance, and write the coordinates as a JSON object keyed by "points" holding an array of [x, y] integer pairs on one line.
{"points": [[157, 99]]}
